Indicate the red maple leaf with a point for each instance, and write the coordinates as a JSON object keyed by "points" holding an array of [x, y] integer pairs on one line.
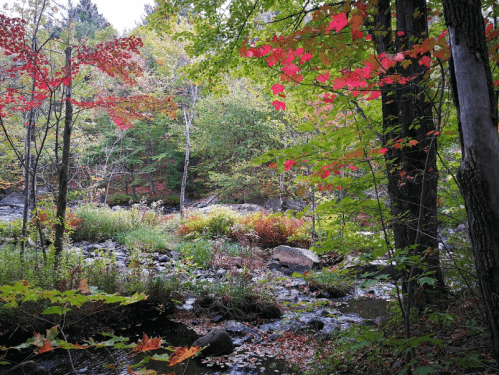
{"points": [[288, 164], [323, 77], [279, 105], [277, 88], [425, 60], [306, 57], [339, 22], [291, 69], [148, 344]]}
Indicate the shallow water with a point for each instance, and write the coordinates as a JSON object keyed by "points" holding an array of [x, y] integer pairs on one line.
{"points": [[95, 361]]}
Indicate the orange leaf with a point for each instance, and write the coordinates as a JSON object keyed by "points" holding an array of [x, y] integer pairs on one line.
{"points": [[46, 347], [181, 354], [413, 142], [83, 287], [148, 344]]}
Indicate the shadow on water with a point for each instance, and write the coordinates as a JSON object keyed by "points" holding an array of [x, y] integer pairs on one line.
{"points": [[96, 361], [365, 307]]}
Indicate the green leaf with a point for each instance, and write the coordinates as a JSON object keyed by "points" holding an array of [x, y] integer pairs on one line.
{"points": [[423, 370], [427, 280], [162, 357], [54, 310]]}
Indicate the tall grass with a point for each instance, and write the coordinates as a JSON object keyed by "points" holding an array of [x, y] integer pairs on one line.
{"points": [[138, 229]]}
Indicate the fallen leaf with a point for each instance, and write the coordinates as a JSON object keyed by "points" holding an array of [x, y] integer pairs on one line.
{"points": [[148, 344], [181, 354]]}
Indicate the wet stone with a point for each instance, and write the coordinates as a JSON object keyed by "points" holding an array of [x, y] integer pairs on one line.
{"points": [[217, 318]]}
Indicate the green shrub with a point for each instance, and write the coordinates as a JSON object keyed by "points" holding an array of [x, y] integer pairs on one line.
{"points": [[101, 223], [255, 229], [237, 299], [145, 238], [337, 284], [11, 229], [200, 251], [120, 199]]}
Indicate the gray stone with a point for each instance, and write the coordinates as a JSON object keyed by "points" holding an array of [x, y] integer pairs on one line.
{"points": [[273, 337], [218, 342], [316, 324], [237, 328], [163, 258], [293, 256], [27, 368], [217, 319]]}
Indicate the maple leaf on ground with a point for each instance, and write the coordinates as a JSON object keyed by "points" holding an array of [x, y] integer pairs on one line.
{"points": [[279, 105], [181, 354], [148, 344], [339, 22]]}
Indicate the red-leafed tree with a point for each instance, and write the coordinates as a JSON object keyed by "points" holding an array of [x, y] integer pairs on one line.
{"points": [[336, 57], [46, 92]]}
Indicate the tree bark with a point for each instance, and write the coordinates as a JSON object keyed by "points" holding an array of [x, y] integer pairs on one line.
{"points": [[64, 169], [474, 97], [412, 169]]}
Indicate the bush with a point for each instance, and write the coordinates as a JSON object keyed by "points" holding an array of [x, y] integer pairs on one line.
{"points": [[120, 199], [11, 229], [145, 238], [333, 282], [138, 229], [239, 300], [200, 251], [255, 229]]}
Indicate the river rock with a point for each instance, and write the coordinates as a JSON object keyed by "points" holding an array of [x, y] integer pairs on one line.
{"points": [[295, 256], [27, 368], [218, 342]]}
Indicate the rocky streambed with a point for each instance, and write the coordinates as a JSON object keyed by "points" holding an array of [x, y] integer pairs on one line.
{"points": [[261, 346]]}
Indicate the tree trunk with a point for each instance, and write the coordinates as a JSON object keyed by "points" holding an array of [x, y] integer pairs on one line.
{"points": [[411, 169], [188, 122], [64, 169], [186, 164], [474, 97]]}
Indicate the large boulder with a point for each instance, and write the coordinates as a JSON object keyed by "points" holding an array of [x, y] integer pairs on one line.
{"points": [[27, 368], [294, 256], [218, 342]]}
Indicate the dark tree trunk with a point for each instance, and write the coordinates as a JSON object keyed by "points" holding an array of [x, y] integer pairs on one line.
{"points": [[478, 174], [64, 169], [411, 169]]}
